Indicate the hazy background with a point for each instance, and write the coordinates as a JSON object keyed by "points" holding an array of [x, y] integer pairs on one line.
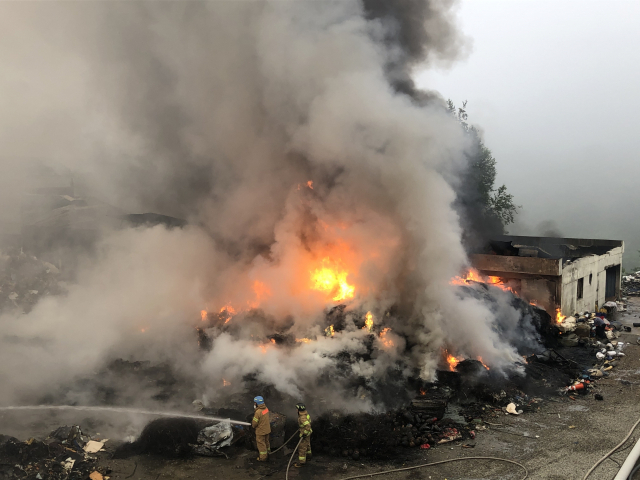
{"points": [[554, 87]]}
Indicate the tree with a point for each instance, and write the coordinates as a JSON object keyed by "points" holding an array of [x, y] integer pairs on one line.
{"points": [[496, 203]]}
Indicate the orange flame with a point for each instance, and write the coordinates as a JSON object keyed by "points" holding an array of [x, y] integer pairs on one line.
{"points": [[302, 340], [203, 315], [452, 361], [329, 332], [559, 317], [423, 391], [261, 292], [387, 342], [368, 321], [273, 340], [225, 383], [263, 348], [331, 278], [472, 275], [228, 312], [483, 364], [310, 184]]}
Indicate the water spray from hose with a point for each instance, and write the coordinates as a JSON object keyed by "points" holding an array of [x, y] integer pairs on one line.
{"points": [[121, 410]]}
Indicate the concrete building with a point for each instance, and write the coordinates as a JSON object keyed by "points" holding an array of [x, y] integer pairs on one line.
{"points": [[572, 274]]}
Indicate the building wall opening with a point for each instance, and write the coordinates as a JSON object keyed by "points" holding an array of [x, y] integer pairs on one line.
{"points": [[580, 288]]}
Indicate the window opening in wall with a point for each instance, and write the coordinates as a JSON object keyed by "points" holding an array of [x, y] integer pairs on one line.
{"points": [[580, 288], [590, 277]]}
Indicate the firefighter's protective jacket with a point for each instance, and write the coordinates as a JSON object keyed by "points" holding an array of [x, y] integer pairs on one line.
{"points": [[261, 420], [304, 423]]}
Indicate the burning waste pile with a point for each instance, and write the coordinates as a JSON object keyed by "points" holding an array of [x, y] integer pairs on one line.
{"points": [[328, 205]]}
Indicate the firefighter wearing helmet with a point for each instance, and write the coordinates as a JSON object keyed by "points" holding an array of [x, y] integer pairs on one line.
{"points": [[304, 424], [262, 427]]}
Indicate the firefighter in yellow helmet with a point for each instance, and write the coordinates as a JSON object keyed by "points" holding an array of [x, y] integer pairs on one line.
{"points": [[304, 424], [262, 427]]}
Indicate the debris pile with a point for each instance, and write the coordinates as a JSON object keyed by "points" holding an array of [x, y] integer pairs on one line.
{"points": [[631, 284], [24, 279], [599, 348], [381, 436], [66, 454]]}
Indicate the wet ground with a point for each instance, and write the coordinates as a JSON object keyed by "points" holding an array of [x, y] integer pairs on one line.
{"points": [[560, 440]]}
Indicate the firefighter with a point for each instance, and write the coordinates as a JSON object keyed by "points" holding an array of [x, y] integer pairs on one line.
{"points": [[304, 424], [262, 427]]}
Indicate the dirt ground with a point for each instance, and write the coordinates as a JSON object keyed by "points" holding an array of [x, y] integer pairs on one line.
{"points": [[561, 440]]}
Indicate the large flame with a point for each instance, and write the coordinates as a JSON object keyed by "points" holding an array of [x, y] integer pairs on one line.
{"points": [[559, 317], [331, 278]]}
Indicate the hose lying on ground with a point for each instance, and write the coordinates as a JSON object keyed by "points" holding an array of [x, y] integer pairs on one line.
{"points": [[526, 472], [611, 452], [294, 452], [281, 446]]}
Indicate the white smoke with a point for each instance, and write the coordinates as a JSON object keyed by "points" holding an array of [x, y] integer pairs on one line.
{"points": [[221, 112]]}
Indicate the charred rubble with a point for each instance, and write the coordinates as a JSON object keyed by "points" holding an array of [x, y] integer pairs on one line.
{"points": [[420, 414], [66, 454]]}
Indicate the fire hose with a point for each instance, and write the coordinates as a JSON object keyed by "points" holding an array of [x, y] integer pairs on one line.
{"points": [[626, 465], [282, 446], [526, 472], [294, 452]]}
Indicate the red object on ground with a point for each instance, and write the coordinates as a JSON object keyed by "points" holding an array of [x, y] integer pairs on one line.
{"points": [[425, 446], [472, 434], [578, 386]]}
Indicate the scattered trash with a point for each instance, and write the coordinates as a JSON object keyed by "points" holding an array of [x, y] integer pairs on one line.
{"points": [[577, 386], [93, 447], [598, 396], [95, 475], [68, 464], [511, 408]]}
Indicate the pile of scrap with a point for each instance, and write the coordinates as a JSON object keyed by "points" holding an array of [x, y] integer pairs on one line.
{"points": [[588, 327], [631, 284], [382, 436], [66, 454]]}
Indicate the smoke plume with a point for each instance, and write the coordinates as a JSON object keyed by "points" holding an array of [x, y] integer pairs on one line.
{"points": [[310, 169]]}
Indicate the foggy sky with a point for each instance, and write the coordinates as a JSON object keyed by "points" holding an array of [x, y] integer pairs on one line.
{"points": [[554, 87]]}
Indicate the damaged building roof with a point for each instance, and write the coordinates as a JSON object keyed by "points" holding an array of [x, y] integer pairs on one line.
{"points": [[549, 247]]}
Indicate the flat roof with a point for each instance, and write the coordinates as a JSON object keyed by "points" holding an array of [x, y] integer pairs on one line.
{"points": [[549, 247]]}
